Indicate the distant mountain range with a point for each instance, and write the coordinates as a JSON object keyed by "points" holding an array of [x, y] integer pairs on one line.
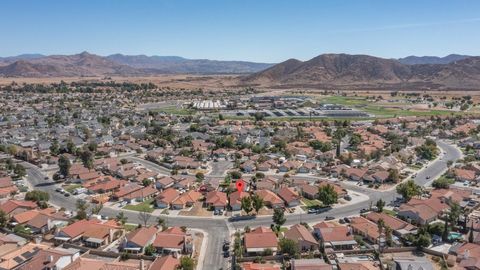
{"points": [[341, 71], [86, 64], [417, 60], [333, 71]]}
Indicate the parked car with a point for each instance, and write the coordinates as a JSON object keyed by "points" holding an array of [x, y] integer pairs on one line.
{"points": [[312, 211], [329, 218], [364, 210]]}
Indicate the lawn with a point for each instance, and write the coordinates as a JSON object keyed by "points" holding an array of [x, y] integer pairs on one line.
{"points": [[390, 212], [311, 203], [144, 206], [130, 227], [72, 187], [175, 110]]}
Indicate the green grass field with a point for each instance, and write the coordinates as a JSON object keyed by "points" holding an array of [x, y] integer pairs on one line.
{"points": [[144, 206], [175, 110], [72, 187], [311, 203]]}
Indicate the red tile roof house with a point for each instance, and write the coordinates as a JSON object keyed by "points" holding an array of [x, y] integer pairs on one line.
{"points": [[464, 175], [355, 174], [7, 188], [216, 200], [289, 165], [141, 194], [186, 199], [41, 221], [13, 207], [164, 182], [303, 237], [235, 199], [259, 240], [365, 228], [289, 196], [96, 232], [335, 236], [137, 240], [270, 199], [165, 263], [423, 211], [307, 167], [166, 197], [50, 259], [173, 241], [400, 228], [308, 191]]}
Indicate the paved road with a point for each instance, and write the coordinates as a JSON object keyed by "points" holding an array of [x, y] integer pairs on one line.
{"points": [[217, 229]]}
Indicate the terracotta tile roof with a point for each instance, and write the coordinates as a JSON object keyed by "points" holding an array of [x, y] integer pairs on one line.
{"points": [[260, 266], [171, 238], [191, 196], [392, 222], [365, 226], [299, 232], [168, 195], [165, 263], [236, 197], [288, 194], [10, 205], [142, 236], [216, 198], [335, 233], [269, 197], [261, 237]]}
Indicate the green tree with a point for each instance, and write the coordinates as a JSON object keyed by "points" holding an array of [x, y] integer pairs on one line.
{"points": [[288, 246], [87, 159], [409, 190], [55, 148], [279, 217], [187, 263], [257, 202], [3, 219], [64, 165], [82, 207], [246, 204], [327, 195], [393, 175], [37, 196], [121, 218], [19, 170], [380, 205], [149, 250]]}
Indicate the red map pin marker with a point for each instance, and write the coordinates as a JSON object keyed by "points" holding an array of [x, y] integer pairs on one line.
{"points": [[240, 185]]}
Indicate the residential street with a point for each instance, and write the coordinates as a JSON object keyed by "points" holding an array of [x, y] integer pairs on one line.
{"points": [[218, 230]]}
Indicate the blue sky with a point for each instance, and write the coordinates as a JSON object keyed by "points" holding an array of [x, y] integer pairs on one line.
{"points": [[253, 30]]}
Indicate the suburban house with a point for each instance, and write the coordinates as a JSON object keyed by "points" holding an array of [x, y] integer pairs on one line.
{"points": [[166, 198], [173, 241], [289, 196], [303, 237], [137, 240], [334, 236], [186, 199], [259, 240], [216, 200], [13, 207], [270, 199], [366, 228], [400, 228], [235, 200]]}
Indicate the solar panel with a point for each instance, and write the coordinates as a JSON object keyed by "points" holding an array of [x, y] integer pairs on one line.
{"points": [[18, 260]]}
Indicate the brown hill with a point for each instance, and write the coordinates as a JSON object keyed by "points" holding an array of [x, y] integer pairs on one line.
{"points": [[83, 64], [363, 71]]}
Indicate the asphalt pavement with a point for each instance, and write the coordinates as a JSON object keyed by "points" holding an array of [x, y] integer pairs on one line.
{"points": [[217, 229]]}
